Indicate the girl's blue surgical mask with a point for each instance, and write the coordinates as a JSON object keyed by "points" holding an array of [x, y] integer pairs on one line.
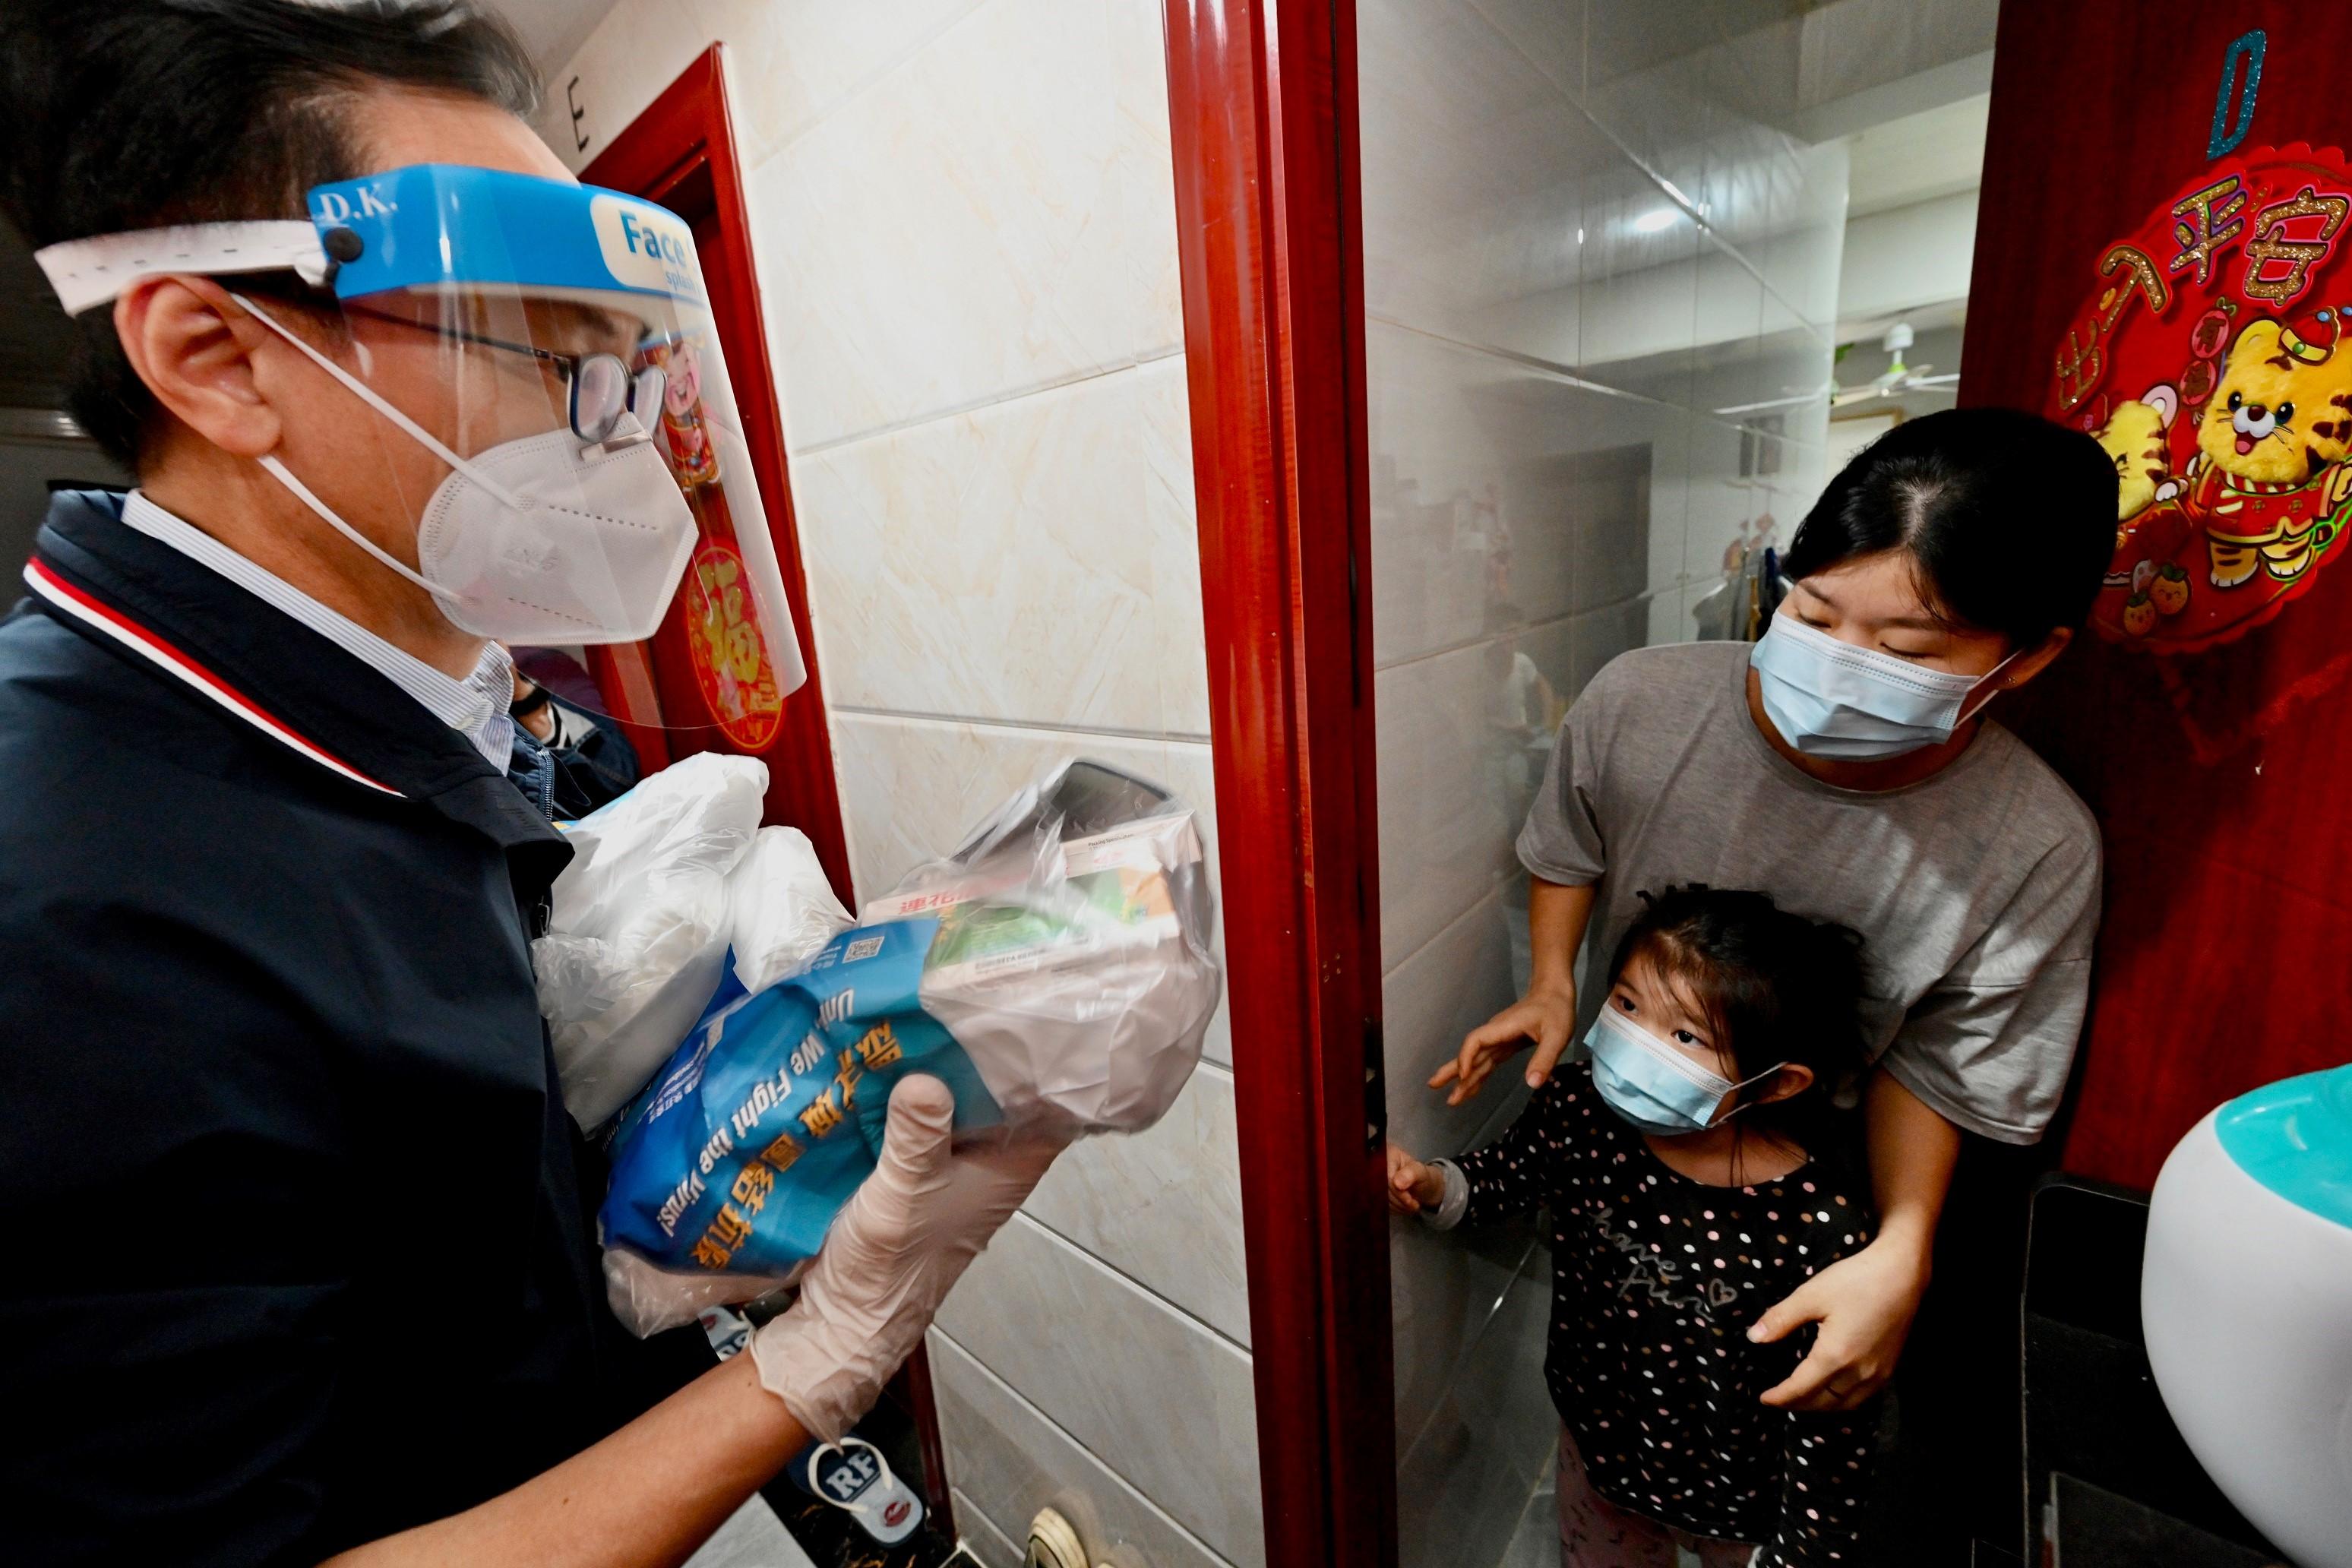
{"points": [[1651, 1085], [1831, 699]]}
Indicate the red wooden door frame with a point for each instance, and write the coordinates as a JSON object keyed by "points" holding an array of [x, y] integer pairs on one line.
{"points": [[1262, 103], [681, 153]]}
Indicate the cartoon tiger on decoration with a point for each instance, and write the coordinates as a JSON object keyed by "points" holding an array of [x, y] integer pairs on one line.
{"points": [[2268, 480], [2134, 437]]}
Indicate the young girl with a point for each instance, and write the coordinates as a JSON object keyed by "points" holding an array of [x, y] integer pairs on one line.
{"points": [[1687, 1175]]}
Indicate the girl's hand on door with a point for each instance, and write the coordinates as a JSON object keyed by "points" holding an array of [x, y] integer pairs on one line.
{"points": [[1413, 1187]]}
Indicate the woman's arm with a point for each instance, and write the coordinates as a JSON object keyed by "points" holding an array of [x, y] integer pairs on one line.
{"points": [[1557, 915], [649, 1494], [1864, 1303]]}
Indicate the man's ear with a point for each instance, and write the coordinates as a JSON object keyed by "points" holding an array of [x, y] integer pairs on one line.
{"points": [[194, 347], [1793, 1078]]}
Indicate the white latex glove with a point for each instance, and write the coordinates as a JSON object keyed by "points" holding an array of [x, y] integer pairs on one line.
{"points": [[897, 1246]]}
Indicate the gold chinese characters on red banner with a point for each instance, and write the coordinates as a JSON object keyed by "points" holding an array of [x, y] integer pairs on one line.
{"points": [[2207, 363]]}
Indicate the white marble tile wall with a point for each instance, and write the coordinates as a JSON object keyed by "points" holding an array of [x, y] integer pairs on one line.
{"points": [[1164, 1207], [964, 228], [994, 215], [1034, 561], [1448, 776], [1024, 1461], [1600, 294], [1047, 1319], [968, 199]]}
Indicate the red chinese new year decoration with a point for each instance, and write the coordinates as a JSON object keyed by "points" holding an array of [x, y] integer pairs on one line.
{"points": [[724, 637], [730, 656], [2207, 363]]}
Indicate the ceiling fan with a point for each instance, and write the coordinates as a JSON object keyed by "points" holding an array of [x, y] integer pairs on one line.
{"points": [[1898, 378]]}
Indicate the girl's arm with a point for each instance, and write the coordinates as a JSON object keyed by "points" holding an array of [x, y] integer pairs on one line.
{"points": [[1864, 1303], [1518, 1171]]}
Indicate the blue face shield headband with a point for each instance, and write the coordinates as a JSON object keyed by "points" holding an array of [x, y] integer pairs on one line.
{"points": [[552, 346], [1831, 699], [1651, 1085]]}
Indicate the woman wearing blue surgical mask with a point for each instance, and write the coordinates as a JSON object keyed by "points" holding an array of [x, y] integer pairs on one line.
{"points": [[1852, 765], [1689, 1178]]}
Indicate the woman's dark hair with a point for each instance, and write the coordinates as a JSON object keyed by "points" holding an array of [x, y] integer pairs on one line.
{"points": [[1773, 986], [129, 114], [2009, 518]]}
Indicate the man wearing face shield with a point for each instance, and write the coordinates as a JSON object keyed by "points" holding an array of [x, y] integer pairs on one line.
{"points": [[304, 1261]]}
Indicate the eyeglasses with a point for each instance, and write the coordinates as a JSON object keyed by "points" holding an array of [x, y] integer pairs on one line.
{"points": [[603, 389]]}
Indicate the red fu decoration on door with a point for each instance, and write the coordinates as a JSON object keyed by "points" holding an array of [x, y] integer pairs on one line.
{"points": [[2207, 364]]}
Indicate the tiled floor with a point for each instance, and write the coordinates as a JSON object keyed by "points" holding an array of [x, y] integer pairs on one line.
{"points": [[1536, 1544], [753, 1538]]}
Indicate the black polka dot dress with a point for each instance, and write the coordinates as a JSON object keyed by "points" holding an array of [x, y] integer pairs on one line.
{"points": [[1655, 1278]]}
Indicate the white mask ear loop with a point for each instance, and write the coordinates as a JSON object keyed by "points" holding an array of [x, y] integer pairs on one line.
{"points": [[302, 493], [1986, 701], [368, 396], [1768, 1072]]}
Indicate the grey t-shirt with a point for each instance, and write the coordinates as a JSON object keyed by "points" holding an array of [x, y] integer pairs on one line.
{"points": [[1976, 891]]}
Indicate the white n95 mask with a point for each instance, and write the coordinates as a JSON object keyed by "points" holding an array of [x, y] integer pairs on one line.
{"points": [[596, 561], [541, 539]]}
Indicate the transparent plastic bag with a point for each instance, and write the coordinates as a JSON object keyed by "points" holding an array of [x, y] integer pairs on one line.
{"points": [[1057, 972], [648, 1297], [1073, 960], [638, 928]]}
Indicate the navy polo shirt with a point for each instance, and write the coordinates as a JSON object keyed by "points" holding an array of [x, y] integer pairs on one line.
{"points": [[300, 1238]]}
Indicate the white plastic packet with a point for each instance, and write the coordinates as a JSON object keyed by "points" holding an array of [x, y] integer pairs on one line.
{"points": [[781, 908], [637, 933], [1057, 972]]}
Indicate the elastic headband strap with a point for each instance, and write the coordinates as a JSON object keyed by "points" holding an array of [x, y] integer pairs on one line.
{"points": [[87, 272]]}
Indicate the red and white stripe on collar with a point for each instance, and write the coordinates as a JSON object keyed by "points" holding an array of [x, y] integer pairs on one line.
{"points": [[109, 622]]}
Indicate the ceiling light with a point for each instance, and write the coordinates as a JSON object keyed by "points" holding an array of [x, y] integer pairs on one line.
{"points": [[1655, 220]]}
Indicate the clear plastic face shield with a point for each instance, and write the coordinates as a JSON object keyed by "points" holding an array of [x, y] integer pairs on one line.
{"points": [[531, 390]]}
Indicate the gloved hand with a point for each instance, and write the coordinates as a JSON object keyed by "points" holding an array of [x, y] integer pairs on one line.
{"points": [[889, 1261]]}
